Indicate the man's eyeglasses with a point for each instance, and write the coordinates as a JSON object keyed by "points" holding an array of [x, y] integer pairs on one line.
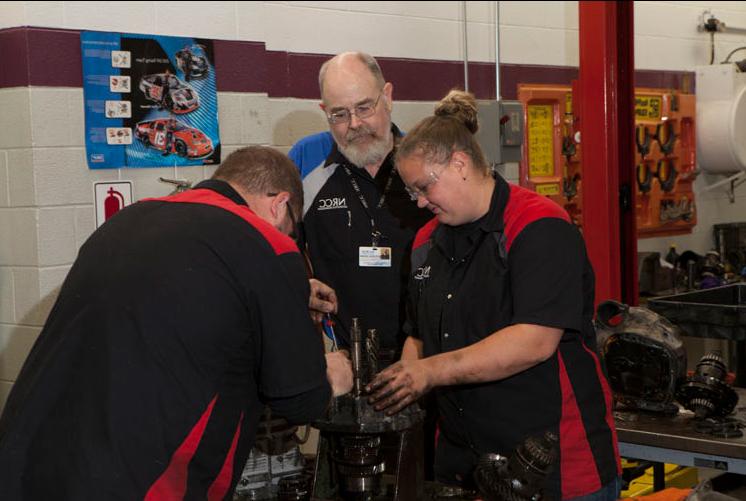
{"points": [[421, 188], [361, 111], [294, 222]]}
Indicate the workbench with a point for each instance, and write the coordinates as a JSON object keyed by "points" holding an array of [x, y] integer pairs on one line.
{"points": [[673, 439]]}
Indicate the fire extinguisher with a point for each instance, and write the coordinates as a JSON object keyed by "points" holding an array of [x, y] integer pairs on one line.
{"points": [[113, 203]]}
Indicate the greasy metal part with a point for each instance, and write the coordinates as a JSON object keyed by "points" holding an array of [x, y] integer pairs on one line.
{"points": [[452, 493], [179, 184], [358, 444], [275, 456], [672, 211], [643, 354], [706, 393], [356, 337], [359, 464], [521, 476], [294, 488], [274, 435], [372, 346], [676, 437]]}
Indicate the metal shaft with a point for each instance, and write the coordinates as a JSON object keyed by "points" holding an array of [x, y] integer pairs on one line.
{"points": [[357, 341]]}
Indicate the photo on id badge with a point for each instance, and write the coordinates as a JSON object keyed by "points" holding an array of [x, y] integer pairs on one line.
{"points": [[378, 257]]}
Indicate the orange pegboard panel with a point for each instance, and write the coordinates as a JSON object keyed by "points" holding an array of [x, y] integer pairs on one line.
{"points": [[551, 160], [665, 161]]}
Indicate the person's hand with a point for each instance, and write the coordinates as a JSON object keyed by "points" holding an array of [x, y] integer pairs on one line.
{"points": [[399, 385], [323, 300], [339, 372]]}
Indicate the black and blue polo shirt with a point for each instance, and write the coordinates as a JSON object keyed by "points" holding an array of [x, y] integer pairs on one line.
{"points": [[336, 225]]}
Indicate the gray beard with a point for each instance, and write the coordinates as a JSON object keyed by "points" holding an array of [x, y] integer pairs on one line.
{"points": [[371, 154]]}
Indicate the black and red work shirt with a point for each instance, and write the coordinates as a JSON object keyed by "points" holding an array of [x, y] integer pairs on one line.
{"points": [[522, 263], [181, 318]]}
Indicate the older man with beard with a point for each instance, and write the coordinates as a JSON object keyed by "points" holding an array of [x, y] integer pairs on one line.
{"points": [[359, 221]]}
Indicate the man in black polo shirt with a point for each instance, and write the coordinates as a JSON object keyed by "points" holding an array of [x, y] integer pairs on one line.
{"points": [[181, 318], [359, 222]]}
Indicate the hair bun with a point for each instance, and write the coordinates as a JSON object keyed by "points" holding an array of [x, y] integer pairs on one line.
{"points": [[461, 106]]}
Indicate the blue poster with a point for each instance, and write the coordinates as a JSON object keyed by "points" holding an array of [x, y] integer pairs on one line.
{"points": [[150, 101]]}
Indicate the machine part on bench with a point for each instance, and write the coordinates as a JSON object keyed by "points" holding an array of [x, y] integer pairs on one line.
{"points": [[294, 488], [643, 354], [521, 476], [275, 455], [355, 439], [705, 392]]}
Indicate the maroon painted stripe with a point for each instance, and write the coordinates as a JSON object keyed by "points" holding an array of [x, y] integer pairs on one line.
{"points": [[14, 57], [240, 66], [49, 57]]}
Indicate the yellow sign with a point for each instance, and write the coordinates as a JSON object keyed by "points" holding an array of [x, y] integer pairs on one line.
{"points": [[547, 189], [568, 103], [648, 107], [540, 140]]}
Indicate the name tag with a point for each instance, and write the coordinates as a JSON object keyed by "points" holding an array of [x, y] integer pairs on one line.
{"points": [[378, 257]]}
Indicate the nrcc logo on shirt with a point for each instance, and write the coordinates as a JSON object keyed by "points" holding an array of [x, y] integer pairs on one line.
{"points": [[332, 203]]}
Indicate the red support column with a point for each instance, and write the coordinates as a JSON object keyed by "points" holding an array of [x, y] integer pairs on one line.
{"points": [[606, 105]]}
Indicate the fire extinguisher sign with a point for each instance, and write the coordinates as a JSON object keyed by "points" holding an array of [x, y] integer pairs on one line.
{"points": [[110, 198]]}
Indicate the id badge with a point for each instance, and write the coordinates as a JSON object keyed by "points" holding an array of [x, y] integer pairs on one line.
{"points": [[374, 257]]}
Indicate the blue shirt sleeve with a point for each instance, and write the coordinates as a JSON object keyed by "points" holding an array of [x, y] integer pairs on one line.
{"points": [[311, 151]]}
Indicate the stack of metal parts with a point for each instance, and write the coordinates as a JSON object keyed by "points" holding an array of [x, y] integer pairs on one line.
{"points": [[521, 476], [352, 459], [275, 468], [707, 394]]}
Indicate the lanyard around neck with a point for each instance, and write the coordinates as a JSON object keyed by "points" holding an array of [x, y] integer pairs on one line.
{"points": [[375, 234]]}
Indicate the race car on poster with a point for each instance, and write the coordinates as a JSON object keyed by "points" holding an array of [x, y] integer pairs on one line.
{"points": [[192, 61], [169, 92], [171, 136]]}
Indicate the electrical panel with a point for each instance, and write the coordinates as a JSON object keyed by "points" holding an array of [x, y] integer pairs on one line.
{"points": [[500, 131], [665, 159]]}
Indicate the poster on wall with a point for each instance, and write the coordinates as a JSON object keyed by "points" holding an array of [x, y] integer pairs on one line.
{"points": [[150, 101]]}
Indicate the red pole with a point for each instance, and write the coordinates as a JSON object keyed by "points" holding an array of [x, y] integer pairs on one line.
{"points": [[606, 103]]}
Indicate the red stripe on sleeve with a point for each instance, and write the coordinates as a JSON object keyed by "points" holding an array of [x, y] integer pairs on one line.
{"points": [[523, 208], [578, 468], [609, 406], [171, 485], [279, 242], [424, 233], [222, 483]]}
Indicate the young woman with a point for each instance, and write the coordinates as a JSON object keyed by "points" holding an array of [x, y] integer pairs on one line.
{"points": [[500, 317]]}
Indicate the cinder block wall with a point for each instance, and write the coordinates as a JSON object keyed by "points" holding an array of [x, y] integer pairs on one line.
{"points": [[46, 194]]}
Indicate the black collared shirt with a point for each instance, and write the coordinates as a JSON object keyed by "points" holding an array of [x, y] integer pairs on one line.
{"points": [[336, 225], [181, 318], [522, 263]]}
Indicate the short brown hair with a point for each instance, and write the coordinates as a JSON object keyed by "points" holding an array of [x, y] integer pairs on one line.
{"points": [[262, 170], [450, 129]]}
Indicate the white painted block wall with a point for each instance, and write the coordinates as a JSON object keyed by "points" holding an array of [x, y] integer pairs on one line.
{"points": [[46, 208]]}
